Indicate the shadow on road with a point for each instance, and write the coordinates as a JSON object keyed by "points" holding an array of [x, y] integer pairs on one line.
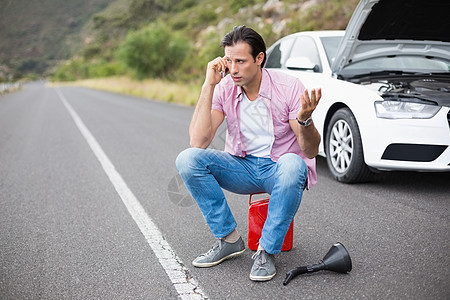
{"points": [[433, 182]]}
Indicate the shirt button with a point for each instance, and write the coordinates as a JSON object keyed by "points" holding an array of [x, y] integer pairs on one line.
{"points": [[239, 143]]}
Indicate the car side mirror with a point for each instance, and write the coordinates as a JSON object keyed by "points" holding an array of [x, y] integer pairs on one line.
{"points": [[302, 64]]}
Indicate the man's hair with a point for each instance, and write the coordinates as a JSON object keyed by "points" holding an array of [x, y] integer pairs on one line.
{"points": [[247, 35]]}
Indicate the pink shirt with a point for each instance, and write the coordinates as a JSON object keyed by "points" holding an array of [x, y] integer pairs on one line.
{"points": [[281, 94]]}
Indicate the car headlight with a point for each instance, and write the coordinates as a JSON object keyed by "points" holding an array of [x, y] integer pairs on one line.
{"points": [[405, 110]]}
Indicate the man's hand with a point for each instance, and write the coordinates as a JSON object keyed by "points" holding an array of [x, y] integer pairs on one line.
{"points": [[214, 71], [309, 103], [308, 137]]}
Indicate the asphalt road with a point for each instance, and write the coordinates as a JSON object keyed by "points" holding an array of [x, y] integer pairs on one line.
{"points": [[68, 232]]}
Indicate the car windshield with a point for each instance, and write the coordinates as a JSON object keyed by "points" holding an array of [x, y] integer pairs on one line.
{"points": [[416, 64], [330, 44]]}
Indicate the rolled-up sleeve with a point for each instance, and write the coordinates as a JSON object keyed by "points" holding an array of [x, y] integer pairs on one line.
{"points": [[217, 100]]}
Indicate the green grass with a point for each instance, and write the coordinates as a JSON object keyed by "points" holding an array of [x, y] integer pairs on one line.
{"points": [[155, 89]]}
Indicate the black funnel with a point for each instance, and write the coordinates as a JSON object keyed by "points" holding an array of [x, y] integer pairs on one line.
{"points": [[337, 260]]}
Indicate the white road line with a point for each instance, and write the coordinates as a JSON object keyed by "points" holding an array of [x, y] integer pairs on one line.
{"points": [[186, 286]]}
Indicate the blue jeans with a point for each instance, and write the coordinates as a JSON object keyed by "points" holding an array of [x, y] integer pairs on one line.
{"points": [[206, 171]]}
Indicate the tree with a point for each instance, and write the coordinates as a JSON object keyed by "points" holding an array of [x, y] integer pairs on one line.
{"points": [[154, 51]]}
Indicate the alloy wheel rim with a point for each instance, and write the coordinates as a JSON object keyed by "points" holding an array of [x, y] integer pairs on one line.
{"points": [[341, 146]]}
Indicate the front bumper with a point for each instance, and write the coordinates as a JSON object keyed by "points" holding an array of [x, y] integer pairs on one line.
{"points": [[408, 144]]}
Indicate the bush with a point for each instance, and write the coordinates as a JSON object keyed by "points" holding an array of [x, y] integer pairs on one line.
{"points": [[81, 69], [153, 51], [72, 70], [103, 69], [235, 5]]}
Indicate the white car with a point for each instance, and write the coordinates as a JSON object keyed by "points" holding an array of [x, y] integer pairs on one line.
{"points": [[385, 87]]}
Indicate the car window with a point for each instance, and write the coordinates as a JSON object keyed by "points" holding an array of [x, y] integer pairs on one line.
{"points": [[305, 46], [330, 44], [279, 53]]}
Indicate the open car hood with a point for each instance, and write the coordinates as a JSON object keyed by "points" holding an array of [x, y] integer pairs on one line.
{"points": [[380, 28]]}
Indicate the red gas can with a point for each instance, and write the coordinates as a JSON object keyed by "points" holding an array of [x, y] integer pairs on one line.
{"points": [[257, 214]]}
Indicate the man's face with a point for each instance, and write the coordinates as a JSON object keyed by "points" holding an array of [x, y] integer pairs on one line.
{"points": [[243, 68]]}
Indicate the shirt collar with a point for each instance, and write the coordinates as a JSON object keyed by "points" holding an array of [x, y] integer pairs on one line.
{"points": [[265, 90]]}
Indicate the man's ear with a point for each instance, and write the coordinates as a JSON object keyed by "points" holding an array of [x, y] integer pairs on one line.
{"points": [[260, 58]]}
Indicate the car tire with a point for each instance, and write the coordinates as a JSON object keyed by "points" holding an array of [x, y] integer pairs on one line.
{"points": [[343, 147]]}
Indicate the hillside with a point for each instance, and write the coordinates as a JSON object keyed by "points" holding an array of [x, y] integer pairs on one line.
{"points": [[34, 36]]}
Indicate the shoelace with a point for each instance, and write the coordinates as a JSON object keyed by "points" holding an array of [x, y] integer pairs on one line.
{"points": [[260, 256], [218, 244]]}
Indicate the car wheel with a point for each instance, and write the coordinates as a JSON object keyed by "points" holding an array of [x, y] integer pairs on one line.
{"points": [[345, 157]]}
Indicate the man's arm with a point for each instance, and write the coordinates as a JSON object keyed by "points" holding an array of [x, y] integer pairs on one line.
{"points": [[308, 137], [205, 120]]}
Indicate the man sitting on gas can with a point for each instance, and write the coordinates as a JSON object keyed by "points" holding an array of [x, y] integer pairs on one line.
{"points": [[270, 147]]}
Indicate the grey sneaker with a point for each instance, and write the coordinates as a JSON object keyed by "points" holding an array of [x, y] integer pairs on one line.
{"points": [[263, 268], [220, 251]]}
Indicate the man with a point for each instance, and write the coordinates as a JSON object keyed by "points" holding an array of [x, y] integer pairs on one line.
{"points": [[270, 147]]}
